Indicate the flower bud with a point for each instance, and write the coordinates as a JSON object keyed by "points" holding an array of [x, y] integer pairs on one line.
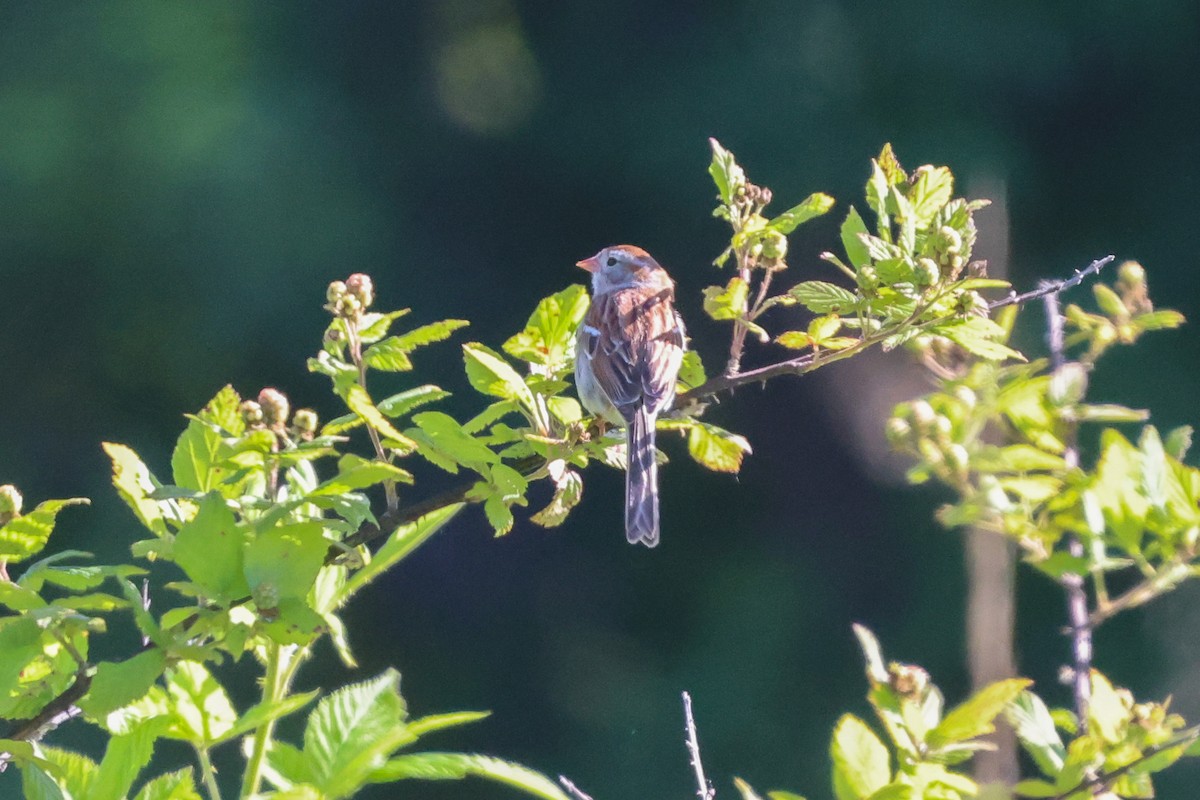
{"points": [[957, 457], [275, 406], [949, 241], [867, 278], [926, 272], [348, 306], [335, 292], [305, 421], [898, 431], [775, 245], [1068, 385], [943, 425], [922, 414], [1131, 273], [966, 396], [251, 412], [359, 285], [10, 503]]}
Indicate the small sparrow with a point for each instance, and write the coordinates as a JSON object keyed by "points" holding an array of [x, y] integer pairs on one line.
{"points": [[628, 353]]}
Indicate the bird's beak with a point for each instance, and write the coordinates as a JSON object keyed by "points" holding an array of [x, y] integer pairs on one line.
{"points": [[590, 264]]}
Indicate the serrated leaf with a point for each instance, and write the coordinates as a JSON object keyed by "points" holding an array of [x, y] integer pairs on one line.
{"points": [[1107, 712], [258, 715], [860, 760], [201, 709], [27, 534], [567, 493], [727, 302], [931, 189], [725, 172], [209, 549], [1159, 320], [716, 448], [852, 230], [124, 758], [446, 435], [456, 766], [399, 544], [283, 561], [812, 206], [74, 772], [979, 336], [437, 722], [794, 340], [490, 374], [195, 462], [355, 472], [133, 482], [178, 785], [821, 297], [20, 643], [352, 731], [119, 683], [974, 716], [359, 401], [691, 372], [548, 338]]}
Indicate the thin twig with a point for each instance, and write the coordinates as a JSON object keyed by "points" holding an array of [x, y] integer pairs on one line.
{"points": [[1072, 582], [1046, 288], [704, 789], [572, 789]]}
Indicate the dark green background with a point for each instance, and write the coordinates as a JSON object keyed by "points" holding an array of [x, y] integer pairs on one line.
{"points": [[180, 181]]}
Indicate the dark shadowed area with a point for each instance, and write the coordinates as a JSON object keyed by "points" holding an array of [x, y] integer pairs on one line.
{"points": [[181, 181]]}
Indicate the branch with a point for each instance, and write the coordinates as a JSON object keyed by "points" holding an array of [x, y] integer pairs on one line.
{"points": [[1046, 288], [572, 789], [53, 714], [704, 789], [1073, 583], [1105, 779]]}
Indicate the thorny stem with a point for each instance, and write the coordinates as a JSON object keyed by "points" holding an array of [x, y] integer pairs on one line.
{"points": [[704, 789], [1145, 591], [572, 789], [1049, 288], [1072, 582]]}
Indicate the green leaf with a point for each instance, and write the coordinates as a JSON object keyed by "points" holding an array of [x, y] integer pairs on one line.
{"points": [[779, 795], [26, 535], [725, 172], [549, 336], [1110, 302], [901, 791], [358, 401], [691, 372], [1032, 787], [1107, 712], [373, 326], [852, 230], [447, 436], [74, 772], [794, 340], [283, 562], [437, 722], [567, 493], [821, 297], [391, 354], [716, 448], [456, 766], [286, 766], [119, 683], [133, 482], [974, 716], [356, 472], [178, 785], [745, 790], [812, 206], [860, 760], [1159, 320], [209, 549], [124, 757], [294, 622], [201, 709], [979, 336], [1178, 442], [196, 460], [36, 784], [20, 643], [263, 713], [399, 544], [1034, 726], [872, 654], [490, 374], [727, 302], [931, 189], [352, 731]]}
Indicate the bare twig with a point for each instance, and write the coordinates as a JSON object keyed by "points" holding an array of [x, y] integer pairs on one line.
{"points": [[1072, 582], [1046, 288], [572, 789], [704, 789]]}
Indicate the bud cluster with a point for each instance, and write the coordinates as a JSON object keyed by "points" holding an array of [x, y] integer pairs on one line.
{"points": [[271, 411], [349, 298], [933, 428]]}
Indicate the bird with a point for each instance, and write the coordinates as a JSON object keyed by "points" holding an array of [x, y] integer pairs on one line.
{"points": [[629, 348]]}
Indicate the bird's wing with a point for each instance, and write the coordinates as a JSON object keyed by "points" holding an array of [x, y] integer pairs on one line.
{"points": [[637, 348]]}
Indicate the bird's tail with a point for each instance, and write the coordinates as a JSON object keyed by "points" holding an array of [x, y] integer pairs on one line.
{"points": [[641, 481]]}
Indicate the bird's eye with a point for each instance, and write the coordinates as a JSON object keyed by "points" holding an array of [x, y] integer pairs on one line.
{"points": [[612, 262]]}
